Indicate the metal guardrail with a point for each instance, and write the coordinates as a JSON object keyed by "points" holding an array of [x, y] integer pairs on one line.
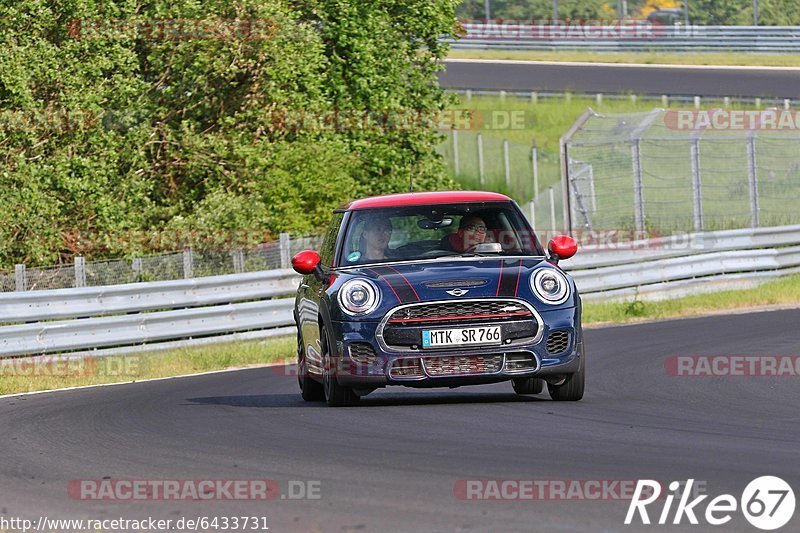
{"points": [[514, 36], [117, 318], [136, 297]]}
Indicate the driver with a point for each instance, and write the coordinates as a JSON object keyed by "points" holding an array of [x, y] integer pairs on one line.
{"points": [[374, 244], [471, 232]]}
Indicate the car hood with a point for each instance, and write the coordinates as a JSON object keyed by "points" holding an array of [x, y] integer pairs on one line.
{"points": [[484, 277]]}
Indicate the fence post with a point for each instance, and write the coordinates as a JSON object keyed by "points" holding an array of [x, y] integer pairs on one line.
{"points": [[20, 278], [481, 171], [188, 264], [238, 261], [535, 161], [286, 252], [638, 188], [80, 271], [697, 189], [136, 267], [752, 176], [532, 214], [507, 164], [636, 157], [456, 169]]}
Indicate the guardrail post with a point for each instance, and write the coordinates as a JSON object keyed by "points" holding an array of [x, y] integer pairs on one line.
{"points": [[238, 261], [534, 97], [20, 278], [80, 271], [456, 168], [697, 190], [188, 264], [758, 103], [469, 95], [752, 176], [481, 170], [664, 100], [507, 164], [598, 98], [787, 103], [286, 250]]}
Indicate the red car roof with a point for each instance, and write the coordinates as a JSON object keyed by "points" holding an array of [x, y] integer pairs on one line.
{"points": [[425, 198]]}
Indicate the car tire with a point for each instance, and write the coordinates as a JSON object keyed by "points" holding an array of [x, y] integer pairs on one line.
{"points": [[572, 388], [335, 394], [527, 385], [310, 390]]}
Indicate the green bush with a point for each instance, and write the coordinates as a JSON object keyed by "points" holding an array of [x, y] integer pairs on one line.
{"points": [[103, 133]]}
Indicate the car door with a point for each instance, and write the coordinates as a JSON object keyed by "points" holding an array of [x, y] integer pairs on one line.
{"points": [[311, 296]]}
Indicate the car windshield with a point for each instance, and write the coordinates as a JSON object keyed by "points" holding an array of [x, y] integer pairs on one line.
{"points": [[429, 232]]}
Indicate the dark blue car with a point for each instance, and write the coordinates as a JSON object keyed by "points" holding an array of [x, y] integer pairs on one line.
{"points": [[440, 289]]}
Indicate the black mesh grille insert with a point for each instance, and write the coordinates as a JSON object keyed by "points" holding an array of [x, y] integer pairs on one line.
{"points": [[558, 342], [362, 352], [456, 311]]}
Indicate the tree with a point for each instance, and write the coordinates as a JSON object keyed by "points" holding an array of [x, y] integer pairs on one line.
{"points": [[114, 116]]}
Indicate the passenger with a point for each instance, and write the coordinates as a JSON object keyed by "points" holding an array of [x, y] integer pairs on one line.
{"points": [[471, 232]]}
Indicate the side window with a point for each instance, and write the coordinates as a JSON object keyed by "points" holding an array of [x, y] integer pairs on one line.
{"points": [[328, 249]]}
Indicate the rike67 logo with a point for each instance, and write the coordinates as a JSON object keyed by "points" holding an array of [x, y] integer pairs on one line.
{"points": [[767, 503]]}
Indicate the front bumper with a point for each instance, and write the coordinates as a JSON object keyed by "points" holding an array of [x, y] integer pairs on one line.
{"points": [[363, 362]]}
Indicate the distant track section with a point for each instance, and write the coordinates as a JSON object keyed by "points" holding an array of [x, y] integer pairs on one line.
{"points": [[673, 80]]}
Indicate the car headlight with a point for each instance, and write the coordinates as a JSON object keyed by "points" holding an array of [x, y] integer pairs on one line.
{"points": [[358, 297], [550, 286]]}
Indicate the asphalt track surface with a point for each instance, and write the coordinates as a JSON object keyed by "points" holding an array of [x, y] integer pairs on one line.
{"points": [[391, 464], [610, 78]]}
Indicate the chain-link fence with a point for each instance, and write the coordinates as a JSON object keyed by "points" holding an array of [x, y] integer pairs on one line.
{"points": [[490, 162], [161, 267], [678, 171]]}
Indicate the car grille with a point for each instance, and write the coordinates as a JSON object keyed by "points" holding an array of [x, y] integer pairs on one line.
{"points": [[460, 311], [403, 327], [558, 342], [463, 365]]}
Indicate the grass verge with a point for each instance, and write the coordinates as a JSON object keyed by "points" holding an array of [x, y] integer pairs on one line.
{"points": [[137, 367], [18, 376], [784, 291], [646, 58]]}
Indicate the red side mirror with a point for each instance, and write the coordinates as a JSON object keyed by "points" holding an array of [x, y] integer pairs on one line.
{"points": [[563, 247], [306, 262]]}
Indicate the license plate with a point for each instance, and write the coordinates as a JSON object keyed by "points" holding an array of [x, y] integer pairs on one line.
{"points": [[438, 338]]}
